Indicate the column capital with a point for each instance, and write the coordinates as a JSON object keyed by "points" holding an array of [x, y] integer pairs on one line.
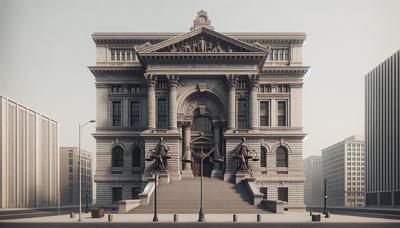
{"points": [[232, 80], [151, 79], [254, 80], [173, 80]]}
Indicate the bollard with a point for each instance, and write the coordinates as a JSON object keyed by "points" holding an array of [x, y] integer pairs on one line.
{"points": [[72, 214], [310, 213], [110, 217], [258, 218], [316, 218], [327, 215], [175, 218], [235, 218]]}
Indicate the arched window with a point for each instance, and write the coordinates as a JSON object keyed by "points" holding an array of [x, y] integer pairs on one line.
{"points": [[136, 157], [117, 157], [263, 157], [281, 157], [202, 123]]}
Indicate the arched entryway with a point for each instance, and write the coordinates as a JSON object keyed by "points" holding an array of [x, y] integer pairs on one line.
{"points": [[202, 129]]}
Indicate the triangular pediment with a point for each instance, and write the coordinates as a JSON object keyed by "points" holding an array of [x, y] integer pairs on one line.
{"points": [[202, 40]]}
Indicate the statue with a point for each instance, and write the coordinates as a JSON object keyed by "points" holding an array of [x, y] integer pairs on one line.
{"points": [[219, 48], [187, 47], [161, 155], [243, 153], [203, 45], [209, 47]]}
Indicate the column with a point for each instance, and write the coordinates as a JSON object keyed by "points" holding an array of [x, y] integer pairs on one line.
{"points": [[187, 167], [217, 171], [232, 83], [253, 103], [151, 101], [173, 81]]}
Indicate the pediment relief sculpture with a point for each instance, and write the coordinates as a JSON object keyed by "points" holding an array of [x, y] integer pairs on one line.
{"points": [[203, 43]]}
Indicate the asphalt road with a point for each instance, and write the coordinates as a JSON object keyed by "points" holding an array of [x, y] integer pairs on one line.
{"points": [[195, 225]]}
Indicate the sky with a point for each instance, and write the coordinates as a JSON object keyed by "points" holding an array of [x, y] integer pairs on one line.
{"points": [[46, 46]]}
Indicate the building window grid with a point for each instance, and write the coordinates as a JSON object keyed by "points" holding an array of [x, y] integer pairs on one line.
{"points": [[162, 110], [117, 113], [135, 109], [264, 113]]}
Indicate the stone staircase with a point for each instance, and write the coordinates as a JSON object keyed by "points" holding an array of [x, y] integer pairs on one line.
{"points": [[218, 197]]}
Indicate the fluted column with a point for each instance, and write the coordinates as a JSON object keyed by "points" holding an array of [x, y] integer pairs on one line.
{"points": [[232, 83], [173, 81], [217, 171], [186, 145], [253, 104], [151, 100]]}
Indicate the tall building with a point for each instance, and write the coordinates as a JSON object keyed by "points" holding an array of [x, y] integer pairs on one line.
{"points": [[195, 90], [29, 157], [313, 191], [343, 165], [382, 137], [69, 176]]}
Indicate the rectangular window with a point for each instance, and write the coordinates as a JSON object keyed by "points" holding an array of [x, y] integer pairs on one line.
{"points": [[116, 113], [282, 113], [241, 113], [135, 113], [134, 89], [283, 194], [162, 85], [116, 89], [264, 191], [135, 192], [264, 113], [162, 118], [265, 88], [116, 194], [242, 85], [283, 88]]}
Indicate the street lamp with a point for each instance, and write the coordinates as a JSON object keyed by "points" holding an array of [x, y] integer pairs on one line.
{"points": [[80, 167], [325, 196], [151, 158], [202, 157]]}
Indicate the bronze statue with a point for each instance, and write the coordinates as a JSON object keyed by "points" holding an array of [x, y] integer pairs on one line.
{"points": [[243, 153], [161, 155]]}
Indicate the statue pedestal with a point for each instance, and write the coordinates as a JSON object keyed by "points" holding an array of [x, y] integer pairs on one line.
{"points": [[217, 173], [241, 176], [164, 178], [187, 173]]}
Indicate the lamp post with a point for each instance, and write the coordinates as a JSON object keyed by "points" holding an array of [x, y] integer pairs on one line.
{"points": [[201, 212], [80, 167], [155, 218], [151, 157], [325, 196]]}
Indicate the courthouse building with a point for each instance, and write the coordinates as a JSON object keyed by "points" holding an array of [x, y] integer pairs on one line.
{"points": [[343, 166], [198, 89], [382, 134], [69, 176], [29, 157]]}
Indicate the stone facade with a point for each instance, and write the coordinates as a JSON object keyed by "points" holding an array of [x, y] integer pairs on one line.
{"points": [[200, 90]]}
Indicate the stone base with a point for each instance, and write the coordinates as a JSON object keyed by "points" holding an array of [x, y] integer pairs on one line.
{"points": [[217, 173], [241, 176], [164, 178], [187, 173]]}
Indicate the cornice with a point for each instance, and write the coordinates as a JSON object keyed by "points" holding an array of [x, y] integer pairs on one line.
{"points": [[298, 71], [156, 37], [109, 70]]}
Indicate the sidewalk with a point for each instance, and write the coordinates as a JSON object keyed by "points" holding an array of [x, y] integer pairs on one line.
{"points": [[288, 217]]}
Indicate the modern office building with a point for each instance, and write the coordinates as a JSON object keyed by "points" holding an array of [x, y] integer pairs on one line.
{"points": [[343, 165], [313, 188], [382, 137], [199, 89], [69, 176], [29, 157]]}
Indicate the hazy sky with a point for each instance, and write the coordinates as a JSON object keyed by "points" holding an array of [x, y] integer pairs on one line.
{"points": [[46, 46]]}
